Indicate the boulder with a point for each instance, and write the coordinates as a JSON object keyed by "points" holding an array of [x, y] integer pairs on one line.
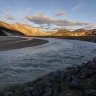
{"points": [[90, 92]]}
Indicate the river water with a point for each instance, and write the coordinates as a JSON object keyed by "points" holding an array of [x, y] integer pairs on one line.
{"points": [[26, 64]]}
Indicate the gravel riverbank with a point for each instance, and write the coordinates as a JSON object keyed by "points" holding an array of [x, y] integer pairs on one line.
{"points": [[10, 43]]}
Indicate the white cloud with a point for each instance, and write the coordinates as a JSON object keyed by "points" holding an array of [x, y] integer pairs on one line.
{"points": [[50, 10], [39, 19], [45, 27], [77, 7], [42, 19], [7, 16], [91, 26], [59, 13], [24, 20], [29, 8]]}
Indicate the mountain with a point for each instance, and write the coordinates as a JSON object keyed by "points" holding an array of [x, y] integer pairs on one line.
{"points": [[6, 25], [81, 32], [24, 29], [63, 32], [78, 32], [7, 32], [93, 32]]}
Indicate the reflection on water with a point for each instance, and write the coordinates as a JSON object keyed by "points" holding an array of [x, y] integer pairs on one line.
{"points": [[25, 64]]}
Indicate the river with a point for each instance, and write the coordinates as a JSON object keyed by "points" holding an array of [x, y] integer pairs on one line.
{"points": [[26, 64]]}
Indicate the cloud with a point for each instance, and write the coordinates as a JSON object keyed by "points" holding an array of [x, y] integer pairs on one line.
{"points": [[59, 13], [29, 8], [7, 16], [77, 7], [91, 26], [45, 27], [64, 22], [50, 10], [24, 20], [42, 19], [39, 19]]}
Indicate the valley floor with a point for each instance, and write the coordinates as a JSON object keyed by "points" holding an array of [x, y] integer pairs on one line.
{"points": [[9, 43], [82, 38]]}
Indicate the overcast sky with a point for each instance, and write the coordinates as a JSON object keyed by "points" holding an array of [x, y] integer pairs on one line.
{"points": [[50, 14]]}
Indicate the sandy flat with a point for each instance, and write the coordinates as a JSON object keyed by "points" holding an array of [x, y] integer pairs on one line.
{"points": [[9, 43]]}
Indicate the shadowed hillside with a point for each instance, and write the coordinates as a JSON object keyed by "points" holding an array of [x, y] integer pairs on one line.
{"points": [[24, 29], [8, 32]]}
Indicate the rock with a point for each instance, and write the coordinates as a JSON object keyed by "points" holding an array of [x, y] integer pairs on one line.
{"points": [[47, 83], [64, 75], [42, 84], [91, 82], [90, 92], [8, 94], [48, 94], [92, 65], [69, 68], [83, 64], [74, 82], [85, 73], [27, 94], [57, 88], [37, 91], [27, 89], [72, 78], [55, 93], [94, 60], [48, 90], [54, 76], [69, 94], [72, 70]]}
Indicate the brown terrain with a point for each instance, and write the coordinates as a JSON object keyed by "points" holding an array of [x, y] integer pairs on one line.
{"points": [[23, 29]]}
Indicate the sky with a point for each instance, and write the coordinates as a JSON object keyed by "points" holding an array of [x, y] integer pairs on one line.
{"points": [[50, 14]]}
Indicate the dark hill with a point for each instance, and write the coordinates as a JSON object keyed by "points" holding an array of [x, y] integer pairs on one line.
{"points": [[8, 32]]}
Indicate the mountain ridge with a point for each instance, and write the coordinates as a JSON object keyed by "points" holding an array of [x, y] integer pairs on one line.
{"points": [[24, 29], [29, 31]]}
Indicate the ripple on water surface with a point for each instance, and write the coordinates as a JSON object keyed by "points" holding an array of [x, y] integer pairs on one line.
{"points": [[25, 64]]}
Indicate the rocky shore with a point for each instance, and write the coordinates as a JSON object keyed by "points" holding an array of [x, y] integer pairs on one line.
{"points": [[72, 81]]}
